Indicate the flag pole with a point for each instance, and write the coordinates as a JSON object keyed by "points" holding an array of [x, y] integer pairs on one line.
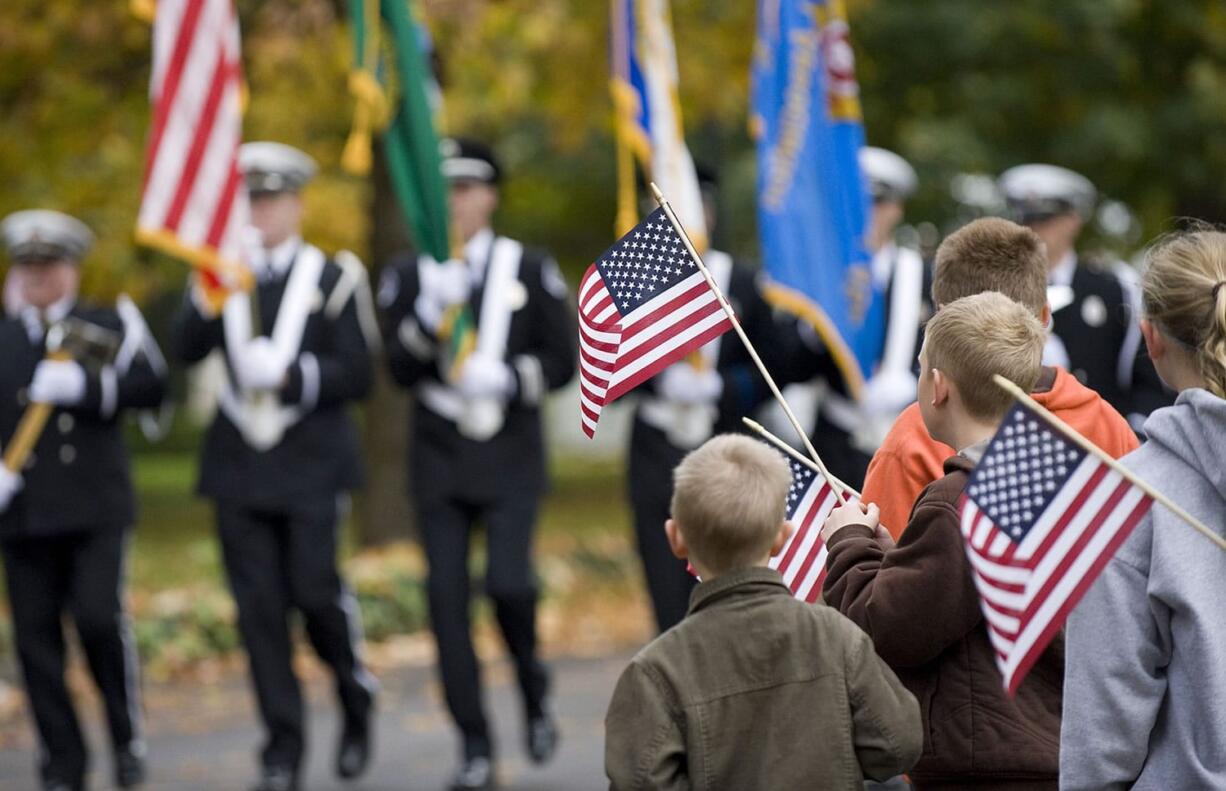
{"points": [[1090, 447], [736, 325], [761, 430]]}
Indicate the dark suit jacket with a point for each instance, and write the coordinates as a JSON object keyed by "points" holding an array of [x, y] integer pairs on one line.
{"points": [[443, 463], [78, 476], [320, 455]]}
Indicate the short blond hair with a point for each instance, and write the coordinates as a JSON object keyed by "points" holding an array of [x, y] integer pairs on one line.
{"points": [[729, 500], [991, 254], [972, 338], [1183, 291]]}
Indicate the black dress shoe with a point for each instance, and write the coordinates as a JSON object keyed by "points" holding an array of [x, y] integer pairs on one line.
{"points": [[542, 738], [476, 774], [129, 767], [277, 778], [353, 750]]}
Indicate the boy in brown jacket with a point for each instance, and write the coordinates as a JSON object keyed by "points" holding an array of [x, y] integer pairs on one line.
{"points": [[753, 689], [918, 600]]}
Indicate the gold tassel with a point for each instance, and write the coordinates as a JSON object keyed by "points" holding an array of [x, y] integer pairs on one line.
{"points": [[144, 10]]}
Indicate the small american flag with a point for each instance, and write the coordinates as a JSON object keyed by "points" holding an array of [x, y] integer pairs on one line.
{"points": [[643, 305], [1041, 518], [193, 202], [802, 561]]}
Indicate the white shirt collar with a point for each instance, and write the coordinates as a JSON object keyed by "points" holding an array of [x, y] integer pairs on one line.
{"points": [[279, 258], [1062, 273], [477, 252], [975, 451], [54, 312]]}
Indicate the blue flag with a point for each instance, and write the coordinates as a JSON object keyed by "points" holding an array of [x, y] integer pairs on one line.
{"points": [[812, 203]]}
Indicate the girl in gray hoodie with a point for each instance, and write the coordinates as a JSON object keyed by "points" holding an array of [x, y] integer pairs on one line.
{"points": [[1145, 677]]}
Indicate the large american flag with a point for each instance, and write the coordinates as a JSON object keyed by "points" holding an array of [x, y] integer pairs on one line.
{"points": [[643, 305], [193, 202], [1041, 518], [802, 561]]}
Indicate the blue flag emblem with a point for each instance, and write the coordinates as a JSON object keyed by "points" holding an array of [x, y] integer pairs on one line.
{"points": [[812, 202]]}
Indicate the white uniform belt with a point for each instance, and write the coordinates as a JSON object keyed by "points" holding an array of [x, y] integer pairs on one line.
{"points": [[657, 413], [441, 400], [842, 412]]}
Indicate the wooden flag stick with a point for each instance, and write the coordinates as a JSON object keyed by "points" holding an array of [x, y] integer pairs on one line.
{"points": [[736, 325], [835, 483], [1090, 447]]}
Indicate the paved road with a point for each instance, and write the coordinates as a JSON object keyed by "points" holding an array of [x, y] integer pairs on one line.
{"points": [[203, 736]]}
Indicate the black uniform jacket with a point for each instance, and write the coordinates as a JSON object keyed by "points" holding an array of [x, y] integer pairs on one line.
{"points": [[319, 455], [1101, 354], [542, 350], [77, 477]]}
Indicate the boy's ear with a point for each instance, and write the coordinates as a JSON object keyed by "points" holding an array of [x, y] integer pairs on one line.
{"points": [[1045, 316], [781, 538], [940, 387], [676, 541], [1154, 341]]}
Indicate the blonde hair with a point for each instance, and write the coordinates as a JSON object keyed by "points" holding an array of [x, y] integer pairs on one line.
{"points": [[991, 254], [729, 500], [972, 338], [1182, 292]]}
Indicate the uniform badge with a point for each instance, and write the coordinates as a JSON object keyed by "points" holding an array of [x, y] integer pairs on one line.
{"points": [[517, 296], [1094, 311]]}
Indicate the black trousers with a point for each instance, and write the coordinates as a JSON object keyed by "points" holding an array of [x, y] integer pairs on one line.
{"points": [[83, 574], [652, 459], [446, 526], [844, 460], [282, 560]]}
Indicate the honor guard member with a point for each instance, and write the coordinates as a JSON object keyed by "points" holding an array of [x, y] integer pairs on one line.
{"points": [[1096, 333], [66, 516], [686, 404], [477, 454], [848, 432], [282, 453]]}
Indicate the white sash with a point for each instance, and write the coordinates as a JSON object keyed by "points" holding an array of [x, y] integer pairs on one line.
{"points": [[482, 418], [260, 417]]}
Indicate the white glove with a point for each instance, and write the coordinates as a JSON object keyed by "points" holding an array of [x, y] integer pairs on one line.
{"points": [[58, 382], [259, 366], [10, 484], [682, 383], [485, 377], [442, 285], [888, 394]]}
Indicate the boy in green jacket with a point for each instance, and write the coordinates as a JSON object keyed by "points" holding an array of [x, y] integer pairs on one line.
{"points": [[754, 688]]}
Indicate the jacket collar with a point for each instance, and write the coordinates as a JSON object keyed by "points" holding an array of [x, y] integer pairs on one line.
{"points": [[759, 578]]}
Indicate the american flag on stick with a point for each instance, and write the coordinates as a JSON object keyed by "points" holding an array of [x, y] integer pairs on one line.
{"points": [[1041, 516], [193, 202], [802, 561], [644, 304]]}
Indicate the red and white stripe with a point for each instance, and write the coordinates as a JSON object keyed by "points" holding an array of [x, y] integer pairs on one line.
{"points": [[1028, 588], [802, 561], [193, 199], [617, 353]]}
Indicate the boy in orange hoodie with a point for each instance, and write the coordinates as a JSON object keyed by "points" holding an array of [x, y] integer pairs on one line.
{"points": [[990, 254]]}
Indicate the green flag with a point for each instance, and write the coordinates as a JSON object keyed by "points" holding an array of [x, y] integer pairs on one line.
{"points": [[409, 140], [410, 144]]}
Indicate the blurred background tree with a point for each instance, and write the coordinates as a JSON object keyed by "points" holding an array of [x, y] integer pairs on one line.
{"points": [[1132, 93]]}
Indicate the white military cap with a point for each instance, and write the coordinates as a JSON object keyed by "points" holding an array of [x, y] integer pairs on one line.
{"points": [[275, 167], [45, 234], [1037, 192], [890, 177]]}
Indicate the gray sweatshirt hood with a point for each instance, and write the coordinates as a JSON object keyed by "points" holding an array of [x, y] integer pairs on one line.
{"points": [[1193, 431]]}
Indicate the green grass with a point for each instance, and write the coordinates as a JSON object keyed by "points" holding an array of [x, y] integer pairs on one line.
{"points": [[175, 543]]}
